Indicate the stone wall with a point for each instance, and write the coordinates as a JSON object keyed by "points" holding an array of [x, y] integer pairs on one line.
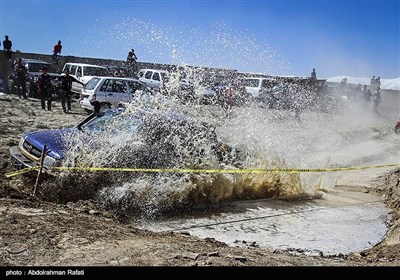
{"points": [[5, 64]]}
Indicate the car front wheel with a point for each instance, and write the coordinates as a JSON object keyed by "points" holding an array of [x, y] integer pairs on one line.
{"points": [[28, 89]]}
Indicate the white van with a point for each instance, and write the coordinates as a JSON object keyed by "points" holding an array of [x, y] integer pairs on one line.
{"points": [[84, 72], [254, 85]]}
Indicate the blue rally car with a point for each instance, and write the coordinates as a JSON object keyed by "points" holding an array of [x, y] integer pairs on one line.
{"points": [[169, 140]]}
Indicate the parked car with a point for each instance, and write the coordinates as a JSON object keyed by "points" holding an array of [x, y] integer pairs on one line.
{"points": [[110, 90], [194, 140], [254, 85], [207, 95], [33, 67], [164, 82], [153, 78], [84, 72], [226, 93], [113, 69]]}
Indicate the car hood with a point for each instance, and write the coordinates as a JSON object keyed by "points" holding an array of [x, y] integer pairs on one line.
{"points": [[54, 139]]}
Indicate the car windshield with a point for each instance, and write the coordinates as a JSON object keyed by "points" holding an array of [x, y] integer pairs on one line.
{"points": [[113, 120], [95, 71], [251, 82], [91, 84], [37, 67]]}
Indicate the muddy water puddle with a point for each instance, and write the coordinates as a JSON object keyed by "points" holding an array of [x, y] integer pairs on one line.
{"points": [[337, 222]]}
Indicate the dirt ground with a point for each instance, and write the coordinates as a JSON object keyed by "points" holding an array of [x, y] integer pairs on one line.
{"points": [[34, 232]]}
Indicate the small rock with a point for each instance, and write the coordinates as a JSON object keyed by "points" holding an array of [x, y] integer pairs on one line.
{"points": [[192, 256], [114, 263], [240, 258], [213, 254], [254, 244], [363, 253], [94, 212], [33, 230]]}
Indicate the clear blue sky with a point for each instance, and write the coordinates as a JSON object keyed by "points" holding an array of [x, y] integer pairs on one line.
{"points": [[355, 38]]}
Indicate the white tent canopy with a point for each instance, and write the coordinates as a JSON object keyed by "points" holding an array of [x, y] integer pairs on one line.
{"points": [[387, 84]]}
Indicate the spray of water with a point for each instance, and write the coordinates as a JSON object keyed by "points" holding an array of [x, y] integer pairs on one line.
{"points": [[219, 47], [268, 137]]}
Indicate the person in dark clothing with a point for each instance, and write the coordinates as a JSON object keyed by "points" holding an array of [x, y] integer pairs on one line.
{"points": [[20, 78], [44, 85], [131, 60], [7, 47], [313, 74], [65, 87], [376, 99], [368, 95]]}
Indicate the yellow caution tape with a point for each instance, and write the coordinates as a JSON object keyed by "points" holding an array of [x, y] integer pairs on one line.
{"points": [[21, 171], [180, 170]]}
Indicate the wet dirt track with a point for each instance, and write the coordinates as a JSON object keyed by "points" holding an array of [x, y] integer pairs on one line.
{"points": [[84, 234]]}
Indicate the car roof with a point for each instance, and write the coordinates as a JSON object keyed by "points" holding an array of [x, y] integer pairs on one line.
{"points": [[30, 60], [157, 70], [118, 78], [85, 64]]}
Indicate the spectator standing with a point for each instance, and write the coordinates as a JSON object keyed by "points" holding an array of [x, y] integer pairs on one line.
{"points": [[343, 86], [20, 78], [313, 74], [375, 82], [378, 81], [44, 85], [363, 90], [57, 52], [368, 95], [358, 92], [66, 94], [7, 47], [131, 60], [372, 82], [376, 99]]}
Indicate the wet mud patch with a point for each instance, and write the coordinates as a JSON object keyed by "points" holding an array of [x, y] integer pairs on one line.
{"points": [[327, 224]]}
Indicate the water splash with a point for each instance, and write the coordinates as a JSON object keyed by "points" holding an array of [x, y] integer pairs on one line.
{"points": [[219, 47], [270, 138], [155, 193]]}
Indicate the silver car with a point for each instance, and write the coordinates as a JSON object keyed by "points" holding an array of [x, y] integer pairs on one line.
{"points": [[111, 91]]}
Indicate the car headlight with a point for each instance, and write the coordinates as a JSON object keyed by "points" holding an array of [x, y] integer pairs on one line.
{"points": [[50, 162], [21, 142]]}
